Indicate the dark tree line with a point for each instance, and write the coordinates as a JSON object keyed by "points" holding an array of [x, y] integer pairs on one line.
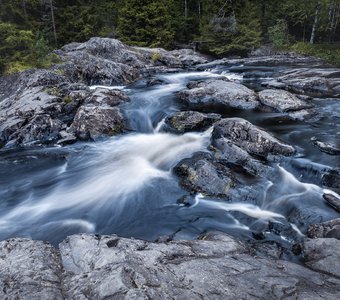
{"points": [[29, 29]]}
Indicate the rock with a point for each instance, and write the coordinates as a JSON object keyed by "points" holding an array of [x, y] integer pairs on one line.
{"points": [[273, 84], [333, 201], [189, 57], [321, 255], [329, 229], [36, 105], [227, 152], [201, 174], [331, 178], [302, 115], [282, 101], [271, 60], [184, 121], [326, 147], [313, 81], [250, 138], [29, 270], [218, 92], [92, 122], [110, 267]]}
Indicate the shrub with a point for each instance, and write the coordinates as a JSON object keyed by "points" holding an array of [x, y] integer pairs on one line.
{"points": [[279, 34]]}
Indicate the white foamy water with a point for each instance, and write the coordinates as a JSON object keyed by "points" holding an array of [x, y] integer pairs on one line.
{"points": [[117, 168], [107, 87]]}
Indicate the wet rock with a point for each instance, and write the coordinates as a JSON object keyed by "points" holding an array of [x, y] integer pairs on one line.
{"points": [[92, 122], [304, 114], [329, 229], [271, 60], [326, 147], [250, 138], [66, 138], [320, 255], [227, 152], [282, 101], [155, 81], [218, 92], [29, 270], [40, 128], [313, 81], [201, 174], [184, 121], [333, 201], [273, 84], [331, 178], [189, 57]]}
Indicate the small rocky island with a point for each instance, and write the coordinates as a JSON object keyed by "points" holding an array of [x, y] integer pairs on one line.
{"points": [[159, 174]]}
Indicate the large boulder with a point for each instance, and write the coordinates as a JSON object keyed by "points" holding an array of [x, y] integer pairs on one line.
{"points": [[250, 138], [109, 61], [99, 115], [218, 92]]}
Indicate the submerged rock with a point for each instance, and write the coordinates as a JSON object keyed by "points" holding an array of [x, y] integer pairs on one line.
{"points": [[103, 267], [333, 201], [331, 178], [218, 92], [184, 121], [326, 147], [250, 138]]}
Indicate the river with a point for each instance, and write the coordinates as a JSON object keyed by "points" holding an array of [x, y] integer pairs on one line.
{"points": [[125, 185]]}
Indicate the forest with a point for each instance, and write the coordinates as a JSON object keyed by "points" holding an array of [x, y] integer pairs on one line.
{"points": [[31, 29]]}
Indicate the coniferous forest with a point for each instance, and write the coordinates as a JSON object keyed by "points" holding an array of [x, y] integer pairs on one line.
{"points": [[30, 29]]}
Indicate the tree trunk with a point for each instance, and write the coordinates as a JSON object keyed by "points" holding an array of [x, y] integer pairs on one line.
{"points": [[23, 3], [315, 24], [199, 10], [53, 22]]}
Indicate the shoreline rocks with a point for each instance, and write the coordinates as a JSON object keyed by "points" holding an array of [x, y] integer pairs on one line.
{"points": [[40, 107], [102, 267]]}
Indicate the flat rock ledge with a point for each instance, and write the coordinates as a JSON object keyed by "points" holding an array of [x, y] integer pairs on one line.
{"points": [[109, 267]]}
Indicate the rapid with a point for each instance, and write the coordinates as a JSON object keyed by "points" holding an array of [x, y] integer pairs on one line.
{"points": [[125, 184]]}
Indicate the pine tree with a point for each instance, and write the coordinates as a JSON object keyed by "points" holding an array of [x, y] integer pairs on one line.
{"points": [[146, 23]]}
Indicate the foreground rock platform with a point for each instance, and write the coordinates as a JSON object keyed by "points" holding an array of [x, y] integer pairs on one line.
{"points": [[216, 266]]}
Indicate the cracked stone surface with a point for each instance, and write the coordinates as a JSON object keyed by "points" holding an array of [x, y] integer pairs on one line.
{"points": [[109, 267]]}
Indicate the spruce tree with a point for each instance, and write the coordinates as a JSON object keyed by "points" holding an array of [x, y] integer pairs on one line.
{"points": [[146, 23]]}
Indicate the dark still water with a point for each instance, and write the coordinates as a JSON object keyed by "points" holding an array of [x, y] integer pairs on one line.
{"points": [[125, 185]]}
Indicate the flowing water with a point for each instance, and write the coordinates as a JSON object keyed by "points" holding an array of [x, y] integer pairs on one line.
{"points": [[125, 184]]}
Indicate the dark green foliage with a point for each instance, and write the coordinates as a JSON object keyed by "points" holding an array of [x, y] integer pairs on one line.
{"points": [[231, 29], [329, 52], [30, 29], [146, 23], [279, 34]]}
